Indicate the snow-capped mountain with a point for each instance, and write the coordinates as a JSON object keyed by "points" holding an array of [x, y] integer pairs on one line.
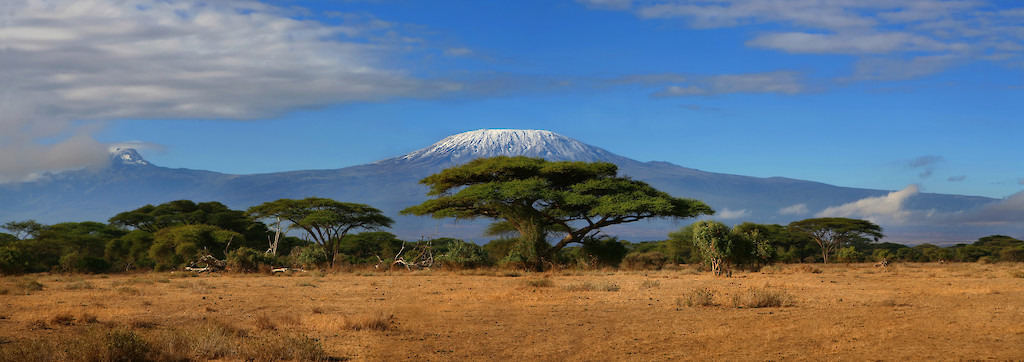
{"points": [[129, 182], [463, 147], [126, 157]]}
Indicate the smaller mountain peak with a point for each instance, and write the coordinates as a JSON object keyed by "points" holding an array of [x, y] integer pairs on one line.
{"points": [[126, 156]]}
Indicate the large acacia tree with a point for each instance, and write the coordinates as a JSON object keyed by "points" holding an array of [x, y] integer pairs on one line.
{"points": [[325, 221], [534, 196], [833, 232]]}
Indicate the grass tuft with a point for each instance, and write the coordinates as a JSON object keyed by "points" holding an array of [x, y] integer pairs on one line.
{"points": [[539, 283], [650, 284], [700, 297], [592, 287], [62, 319], [380, 322], [763, 297]]}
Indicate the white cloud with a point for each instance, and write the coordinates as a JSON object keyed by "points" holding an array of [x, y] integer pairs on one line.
{"points": [[798, 209], [888, 208], [933, 34], [783, 82], [732, 214], [68, 62], [848, 43], [458, 52]]}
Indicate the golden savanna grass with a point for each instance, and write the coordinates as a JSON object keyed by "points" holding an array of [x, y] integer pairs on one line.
{"points": [[833, 312]]}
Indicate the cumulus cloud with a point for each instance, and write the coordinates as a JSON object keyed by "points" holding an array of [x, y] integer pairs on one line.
{"points": [[876, 209], [732, 214], [798, 209], [68, 64]]}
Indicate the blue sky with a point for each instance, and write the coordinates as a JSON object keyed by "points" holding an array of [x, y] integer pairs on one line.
{"points": [[861, 93]]}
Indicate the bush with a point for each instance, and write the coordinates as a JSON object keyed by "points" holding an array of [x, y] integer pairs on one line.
{"points": [[461, 255], [248, 260], [762, 298], [700, 297], [77, 263], [123, 345], [651, 260], [14, 260], [312, 256]]}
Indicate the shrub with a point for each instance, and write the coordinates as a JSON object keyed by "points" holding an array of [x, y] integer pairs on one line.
{"points": [[63, 319], [123, 345], [461, 255], [762, 298], [700, 297], [77, 263], [539, 283], [248, 260], [312, 256], [29, 285], [376, 322], [651, 260]]}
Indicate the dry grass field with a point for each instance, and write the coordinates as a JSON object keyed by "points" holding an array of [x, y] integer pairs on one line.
{"points": [[791, 312]]}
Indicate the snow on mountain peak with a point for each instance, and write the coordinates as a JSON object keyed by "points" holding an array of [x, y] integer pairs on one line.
{"points": [[482, 143], [126, 156]]}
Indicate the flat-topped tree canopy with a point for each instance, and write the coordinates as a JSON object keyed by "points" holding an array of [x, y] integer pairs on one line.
{"points": [[534, 195]]}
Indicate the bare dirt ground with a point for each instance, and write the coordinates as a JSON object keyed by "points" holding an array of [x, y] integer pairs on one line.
{"points": [[834, 312]]}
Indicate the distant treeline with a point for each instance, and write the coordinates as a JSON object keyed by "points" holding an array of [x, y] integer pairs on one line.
{"points": [[176, 234]]}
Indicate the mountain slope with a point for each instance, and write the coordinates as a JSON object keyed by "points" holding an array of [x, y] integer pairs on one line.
{"points": [[392, 184]]}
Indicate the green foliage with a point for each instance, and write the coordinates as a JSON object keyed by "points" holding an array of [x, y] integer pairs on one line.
{"points": [[78, 263], [535, 195], [714, 240], [459, 254], [849, 254], [23, 229], [174, 246], [679, 246], [151, 219], [248, 260], [365, 247], [14, 260], [312, 256], [498, 249], [6, 238], [833, 232], [130, 251], [324, 221], [650, 260]]}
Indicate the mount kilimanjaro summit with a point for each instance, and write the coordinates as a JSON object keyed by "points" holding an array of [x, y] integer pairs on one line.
{"points": [[129, 182]]}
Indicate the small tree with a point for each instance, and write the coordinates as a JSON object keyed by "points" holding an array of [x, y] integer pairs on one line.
{"points": [[831, 233], [714, 241], [325, 221]]}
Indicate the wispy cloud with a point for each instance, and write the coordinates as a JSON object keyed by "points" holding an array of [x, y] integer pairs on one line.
{"points": [[926, 165], [66, 62], [957, 178], [798, 209], [899, 39], [782, 82]]}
